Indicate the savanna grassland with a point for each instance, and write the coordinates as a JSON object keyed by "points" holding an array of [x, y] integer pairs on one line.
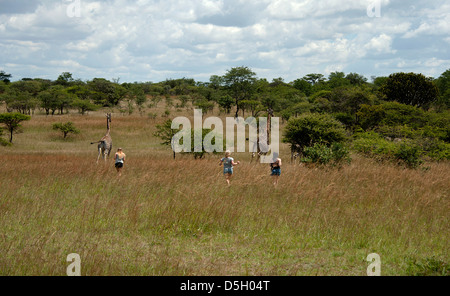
{"points": [[178, 217]]}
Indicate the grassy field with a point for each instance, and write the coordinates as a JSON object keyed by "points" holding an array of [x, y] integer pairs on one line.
{"points": [[178, 217]]}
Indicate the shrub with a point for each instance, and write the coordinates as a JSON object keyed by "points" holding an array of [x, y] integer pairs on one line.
{"points": [[66, 128], [434, 149], [3, 142], [321, 154], [309, 129], [373, 145], [409, 154], [427, 267], [404, 152]]}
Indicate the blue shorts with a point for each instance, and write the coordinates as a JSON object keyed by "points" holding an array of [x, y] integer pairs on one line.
{"points": [[228, 171], [276, 172]]}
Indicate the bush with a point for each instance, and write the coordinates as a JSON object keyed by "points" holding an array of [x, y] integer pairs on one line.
{"points": [[373, 145], [3, 142], [309, 129], [409, 154], [427, 267], [404, 152], [434, 149], [321, 154], [66, 128]]}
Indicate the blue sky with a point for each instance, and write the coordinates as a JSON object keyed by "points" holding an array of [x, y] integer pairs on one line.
{"points": [[151, 40]]}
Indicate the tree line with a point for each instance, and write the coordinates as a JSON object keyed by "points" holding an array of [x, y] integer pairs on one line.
{"points": [[406, 106]]}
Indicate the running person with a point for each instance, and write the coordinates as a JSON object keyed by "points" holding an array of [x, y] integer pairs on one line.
{"points": [[119, 159], [275, 167], [228, 163]]}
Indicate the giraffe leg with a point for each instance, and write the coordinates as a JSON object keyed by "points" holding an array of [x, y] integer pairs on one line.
{"points": [[99, 153]]}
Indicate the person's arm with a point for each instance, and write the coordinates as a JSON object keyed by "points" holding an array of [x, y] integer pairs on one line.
{"points": [[235, 163], [220, 162], [279, 162]]}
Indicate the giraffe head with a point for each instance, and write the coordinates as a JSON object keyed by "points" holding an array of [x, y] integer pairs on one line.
{"points": [[108, 120]]}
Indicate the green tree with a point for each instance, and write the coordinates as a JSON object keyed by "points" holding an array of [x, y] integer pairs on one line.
{"points": [[205, 105], [411, 89], [239, 82], [65, 79], [314, 78], [48, 101], [443, 82], [12, 122], [55, 98], [16, 100], [3, 87], [66, 128], [5, 77], [309, 129], [303, 86], [83, 98], [21, 96], [165, 133], [356, 79], [250, 105], [378, 82], [106, 93], [225, 102], [84, 105], [337, 79], [216, 82]]}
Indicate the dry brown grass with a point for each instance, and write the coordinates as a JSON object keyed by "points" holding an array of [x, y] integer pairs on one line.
{"points": [[177, 217]]}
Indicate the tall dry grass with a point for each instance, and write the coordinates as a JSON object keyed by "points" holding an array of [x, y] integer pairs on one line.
{"points": [[178, 217]]}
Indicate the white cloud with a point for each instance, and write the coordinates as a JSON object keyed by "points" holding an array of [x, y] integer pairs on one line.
{"points": [[149, 39], [381, 44]]}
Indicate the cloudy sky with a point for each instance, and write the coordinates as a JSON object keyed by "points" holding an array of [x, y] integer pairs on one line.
{"points": [[153, 40]]}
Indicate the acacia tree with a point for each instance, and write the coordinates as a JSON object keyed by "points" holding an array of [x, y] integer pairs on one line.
{"points": [[66, 128], [12, 122], [314, 78], [165, 133], [239, 82], [411, 89]]}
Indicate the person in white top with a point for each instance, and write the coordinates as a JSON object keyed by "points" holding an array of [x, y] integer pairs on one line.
{"points": [[119, 159], [228, 163], [275, 168]]}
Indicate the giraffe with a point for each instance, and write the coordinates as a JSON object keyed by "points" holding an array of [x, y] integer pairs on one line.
{"points": [[105, 143], [264, 137]]}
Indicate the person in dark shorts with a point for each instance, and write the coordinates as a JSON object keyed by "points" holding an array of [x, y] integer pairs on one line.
{"points": [[228, 163], [119, 159], [275, 167]]}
